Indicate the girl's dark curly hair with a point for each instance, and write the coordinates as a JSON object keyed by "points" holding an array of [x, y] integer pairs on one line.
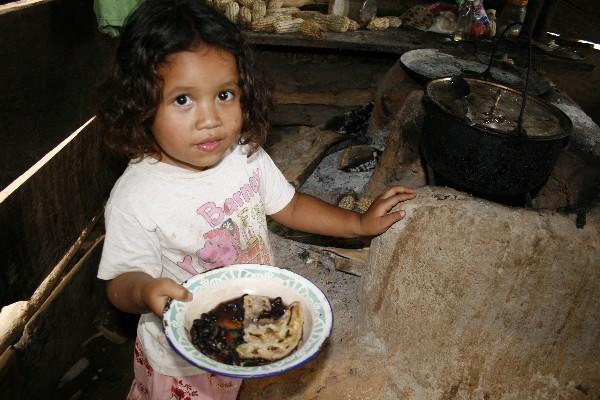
{"points": [[128, 99]]}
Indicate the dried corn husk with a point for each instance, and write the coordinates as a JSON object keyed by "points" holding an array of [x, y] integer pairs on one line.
{"points": [[210, 2], [378, 24], [491, 32], [320, 18], [363, 204], [297, 3], [305, 15], [274, 4], [264, 24], [311, 28], [353, 26], [395, 22], [287, 25], [246, 3], [221, 4], [419, 17], [232, 11], [259, 9], [347, 202], [245, 16], [330, 22], [335, 23], [284, 11], [491, 13]]}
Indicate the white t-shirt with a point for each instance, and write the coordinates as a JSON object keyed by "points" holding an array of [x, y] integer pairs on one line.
{"points": [[171, 222]]}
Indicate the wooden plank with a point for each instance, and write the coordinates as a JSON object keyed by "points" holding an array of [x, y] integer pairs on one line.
{"points": [[19, 5], [52, 339], [43, 214], [350, 261], [301, 167], [298, 153], [393, 41], [344, 98], [13, 327]]}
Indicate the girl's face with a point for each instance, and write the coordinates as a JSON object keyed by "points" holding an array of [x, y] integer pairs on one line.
{"points": [[199, 117]]}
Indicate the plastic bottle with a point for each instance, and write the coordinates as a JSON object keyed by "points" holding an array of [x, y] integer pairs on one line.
{"points": [[472, 21], [464, 19], [481, 22], [513, 11]]}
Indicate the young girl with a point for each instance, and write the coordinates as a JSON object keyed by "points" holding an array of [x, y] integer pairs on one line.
{"points": [[185, 104]]}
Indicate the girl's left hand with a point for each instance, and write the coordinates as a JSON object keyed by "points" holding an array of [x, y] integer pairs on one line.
{"points": [[378, 218]]}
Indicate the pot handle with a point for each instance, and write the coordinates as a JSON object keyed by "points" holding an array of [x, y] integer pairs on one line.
{"points": [[487, 75]]}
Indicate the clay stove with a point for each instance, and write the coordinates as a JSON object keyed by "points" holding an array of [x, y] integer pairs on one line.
{"points": [[465, 297]]}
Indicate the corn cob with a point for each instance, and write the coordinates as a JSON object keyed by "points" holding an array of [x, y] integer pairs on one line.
{"points": [[353, 26], [378, 24], [246, 3], [274, 4], [491, 32], [245, 16], [333, 23], [320, 18], [305, 15], [283, 11], [264, 24], [395, 22], [287, 25], [221, 4], [259, 9], [286, 10], [300, 3], [232, 10], [363, 204], [347, 202], [311, 29]]}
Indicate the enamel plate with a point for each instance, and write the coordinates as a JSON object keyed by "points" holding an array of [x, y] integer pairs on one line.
{"points": [[222, 284]]}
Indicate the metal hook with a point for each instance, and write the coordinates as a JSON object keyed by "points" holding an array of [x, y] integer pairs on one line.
{"points": [[487, 74]]}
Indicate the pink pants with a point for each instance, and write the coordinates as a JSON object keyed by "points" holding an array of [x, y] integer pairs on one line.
{"points": [[150, 385]]}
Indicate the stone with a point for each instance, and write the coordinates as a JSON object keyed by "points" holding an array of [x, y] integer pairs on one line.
{"points": [[479, 300]]}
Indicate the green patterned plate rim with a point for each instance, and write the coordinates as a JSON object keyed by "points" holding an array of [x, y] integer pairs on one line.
{"points": [[319, 307]]}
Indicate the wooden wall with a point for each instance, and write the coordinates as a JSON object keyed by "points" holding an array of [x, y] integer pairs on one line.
{"points": [[42, 219], [51, 58], [311, 86], [44, 216]]}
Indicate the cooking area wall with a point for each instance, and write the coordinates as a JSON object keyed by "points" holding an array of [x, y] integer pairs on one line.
{"points": [[433, 268]]}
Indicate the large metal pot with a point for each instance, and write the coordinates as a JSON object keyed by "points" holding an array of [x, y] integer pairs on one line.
{"points": [[508, 152]]}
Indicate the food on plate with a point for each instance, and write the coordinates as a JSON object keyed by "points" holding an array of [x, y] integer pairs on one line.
{"points": [[249, 330]]}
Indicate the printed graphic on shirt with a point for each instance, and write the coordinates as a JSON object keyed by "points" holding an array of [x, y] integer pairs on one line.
{"points": [[215, 215], [223, 246], [237, 234]]}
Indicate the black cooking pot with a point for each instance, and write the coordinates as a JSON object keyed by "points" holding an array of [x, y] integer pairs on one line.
{"points": [[503, 153]]}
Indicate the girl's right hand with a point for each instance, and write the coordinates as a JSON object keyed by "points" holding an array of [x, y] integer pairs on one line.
{"points": [[156, 292]]}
